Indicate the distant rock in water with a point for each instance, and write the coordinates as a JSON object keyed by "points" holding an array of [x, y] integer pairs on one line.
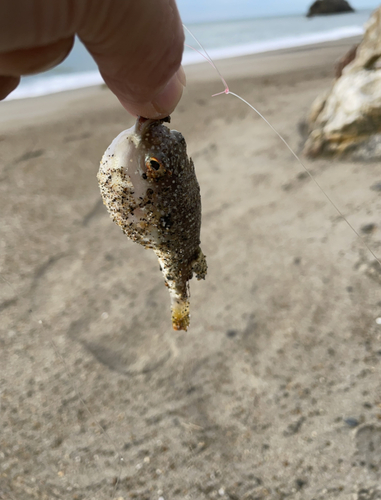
{"points": [[346, 120], [324, 7]]}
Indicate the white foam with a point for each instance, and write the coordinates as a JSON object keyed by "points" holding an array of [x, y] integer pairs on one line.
{"points": [[276, 44], [56, 83]]}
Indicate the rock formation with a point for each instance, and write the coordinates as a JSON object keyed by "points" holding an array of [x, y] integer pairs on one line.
{"points": [[324, 7], [346, 59], [347, 119]]}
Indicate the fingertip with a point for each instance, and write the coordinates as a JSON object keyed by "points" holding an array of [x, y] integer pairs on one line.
{"points": [[7, 85], [164, 103]]}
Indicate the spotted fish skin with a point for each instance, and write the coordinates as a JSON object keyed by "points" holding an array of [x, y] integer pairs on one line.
{"points": [[149, 187]]}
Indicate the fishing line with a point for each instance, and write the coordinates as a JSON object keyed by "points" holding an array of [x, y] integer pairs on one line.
{"points": [[228, 91], [206, 56]]}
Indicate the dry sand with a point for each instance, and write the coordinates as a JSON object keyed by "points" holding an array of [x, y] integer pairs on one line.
{"points": [[275, 391]]}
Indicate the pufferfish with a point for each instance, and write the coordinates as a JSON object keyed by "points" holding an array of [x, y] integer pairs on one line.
{"points": [[149, 187]]}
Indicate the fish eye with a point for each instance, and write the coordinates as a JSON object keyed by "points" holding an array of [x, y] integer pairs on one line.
{"points": [[153, 163]]}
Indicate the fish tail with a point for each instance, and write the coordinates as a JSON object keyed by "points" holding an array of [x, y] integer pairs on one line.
{"points": [[180, 313]]}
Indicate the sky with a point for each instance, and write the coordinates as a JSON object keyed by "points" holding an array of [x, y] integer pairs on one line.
{"points": [[193, 11]]}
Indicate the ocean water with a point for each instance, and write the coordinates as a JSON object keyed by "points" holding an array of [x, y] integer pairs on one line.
{"points": [[220, 39]]}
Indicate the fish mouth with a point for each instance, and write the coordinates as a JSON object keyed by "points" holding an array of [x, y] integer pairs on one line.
{"points": [[142, 123]]}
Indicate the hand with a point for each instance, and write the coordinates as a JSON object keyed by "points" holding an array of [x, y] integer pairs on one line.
{"points": [[137, 45]]}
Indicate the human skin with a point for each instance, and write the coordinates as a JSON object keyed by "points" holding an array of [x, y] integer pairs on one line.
{"points": [[137, 45]]}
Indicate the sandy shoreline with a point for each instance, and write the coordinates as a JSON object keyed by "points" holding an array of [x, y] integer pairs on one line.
{"points": [[274, 392]]}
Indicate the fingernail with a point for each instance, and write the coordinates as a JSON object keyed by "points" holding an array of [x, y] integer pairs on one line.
{"points": [[167, 100], [164, 103], [181, 76]]}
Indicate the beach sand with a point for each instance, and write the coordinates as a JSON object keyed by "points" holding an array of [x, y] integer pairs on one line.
{"points": [[274, 392]]}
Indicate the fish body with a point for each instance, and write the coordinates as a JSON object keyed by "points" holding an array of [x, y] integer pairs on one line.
{"points": [[149, 187]]}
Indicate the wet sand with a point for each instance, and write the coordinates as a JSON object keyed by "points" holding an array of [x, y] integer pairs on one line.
{"points": [[274, 392]]}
